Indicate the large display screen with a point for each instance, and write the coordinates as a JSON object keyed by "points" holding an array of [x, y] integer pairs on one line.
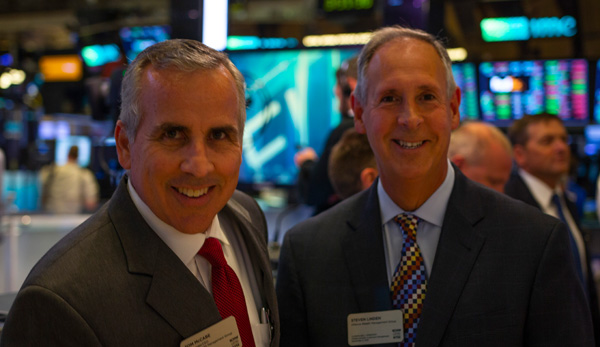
{"points": [[64, 144], [291, 104], [465, 76], [511, 89]]}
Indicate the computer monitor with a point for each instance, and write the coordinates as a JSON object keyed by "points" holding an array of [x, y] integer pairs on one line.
{"points": [[61, 68], [64, 144], [98, 55], [511, 89], [291, 104], [135, 39]]}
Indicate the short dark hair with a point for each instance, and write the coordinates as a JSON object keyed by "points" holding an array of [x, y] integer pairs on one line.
{"points": [[73, 152], [517, 132], [349, 157], [348, 68]]}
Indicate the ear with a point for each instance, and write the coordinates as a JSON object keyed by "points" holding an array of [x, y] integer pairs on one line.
{"points": [[455, 108], [368, 176], [351, 82], [519, 155], [122, 142], [357, 108]]}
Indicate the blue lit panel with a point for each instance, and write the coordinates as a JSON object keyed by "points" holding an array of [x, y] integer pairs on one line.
{"points": [[291, 105]]}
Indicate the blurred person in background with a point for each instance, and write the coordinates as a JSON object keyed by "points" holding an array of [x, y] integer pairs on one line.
{"points": [[313, 183], [543, 157], [483, 153], [352, 166], [68, 188]]}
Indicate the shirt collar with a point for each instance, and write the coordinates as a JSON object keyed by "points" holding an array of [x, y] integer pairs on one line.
{"points": [[185, 246], [432, 211], [540, 190]]}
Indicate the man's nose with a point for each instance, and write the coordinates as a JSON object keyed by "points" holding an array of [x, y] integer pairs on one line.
{"points": [[197, 161], [409, 115]]}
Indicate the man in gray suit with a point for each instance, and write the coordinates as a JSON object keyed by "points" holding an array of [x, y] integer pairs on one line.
{"points": [[132, 274], [425, 256]]}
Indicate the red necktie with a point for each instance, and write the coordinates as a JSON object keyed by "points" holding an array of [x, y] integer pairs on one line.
{"points": [[227, 290]]}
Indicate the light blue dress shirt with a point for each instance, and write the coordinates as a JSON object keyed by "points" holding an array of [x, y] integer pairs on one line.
{"points": [[429, 228]]}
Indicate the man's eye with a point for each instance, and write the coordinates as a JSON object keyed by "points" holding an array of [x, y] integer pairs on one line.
{"points": [[173, 134], [428, 97], [219, 135], [388, 98]]}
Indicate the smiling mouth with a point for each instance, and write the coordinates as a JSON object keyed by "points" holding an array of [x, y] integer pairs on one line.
{"points": [[409, 145], [192, 193]]}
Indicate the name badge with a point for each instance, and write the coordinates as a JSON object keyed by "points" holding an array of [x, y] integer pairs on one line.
{"points": [[375, 327], [223, 334]]}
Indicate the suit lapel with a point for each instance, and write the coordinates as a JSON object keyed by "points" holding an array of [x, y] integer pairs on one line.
{"points": [[457, 251], [517, 188], [365, 256], [173, 291], [237, 214]]}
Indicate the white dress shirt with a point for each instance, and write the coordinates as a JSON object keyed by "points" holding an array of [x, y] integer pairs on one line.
{"points": [[543, 195], [429, 228], [186, 247]]}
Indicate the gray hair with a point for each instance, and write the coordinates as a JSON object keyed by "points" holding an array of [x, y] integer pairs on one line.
{"points": [[387, 34], [472, 140], [183, 55]]}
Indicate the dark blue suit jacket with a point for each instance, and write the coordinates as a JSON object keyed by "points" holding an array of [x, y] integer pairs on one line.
{"points": [[516, 188], [501, 275]]}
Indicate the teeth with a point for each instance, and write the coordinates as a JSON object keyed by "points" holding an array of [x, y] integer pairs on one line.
{"points": [[192, 193], [410, 145]]}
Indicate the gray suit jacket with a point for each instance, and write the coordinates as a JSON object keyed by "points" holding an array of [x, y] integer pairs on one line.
{"points": [[501, 275], [113, 282]]}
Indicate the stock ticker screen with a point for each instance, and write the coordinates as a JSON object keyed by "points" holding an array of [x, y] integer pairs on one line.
{"points": [[465, 76], [511, 89]]}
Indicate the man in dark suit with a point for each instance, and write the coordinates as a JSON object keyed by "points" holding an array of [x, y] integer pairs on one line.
{"points": [[177, 249], [543, 157], [425, 256]]}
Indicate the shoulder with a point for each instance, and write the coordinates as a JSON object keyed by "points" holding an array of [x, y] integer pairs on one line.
{"points": [[476, 201], [329, 224], [245, 205], [493, 212]]}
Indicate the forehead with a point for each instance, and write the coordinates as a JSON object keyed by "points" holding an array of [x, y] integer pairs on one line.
{"points": [[543, 128], [185, 97], [407, 55]]}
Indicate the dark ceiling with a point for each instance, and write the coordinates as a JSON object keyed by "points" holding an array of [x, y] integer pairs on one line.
{"points": [[35, 25]]}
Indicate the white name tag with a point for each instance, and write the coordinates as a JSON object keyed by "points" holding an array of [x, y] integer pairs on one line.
{"points": [[223, 334], [375, 327]]}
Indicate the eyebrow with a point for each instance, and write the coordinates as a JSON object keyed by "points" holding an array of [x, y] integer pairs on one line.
{"points": [[227, 128], [167, 126]]}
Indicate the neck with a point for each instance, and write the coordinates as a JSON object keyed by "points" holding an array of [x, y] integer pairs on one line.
{"points": [[550, 181], [409, 195]]}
